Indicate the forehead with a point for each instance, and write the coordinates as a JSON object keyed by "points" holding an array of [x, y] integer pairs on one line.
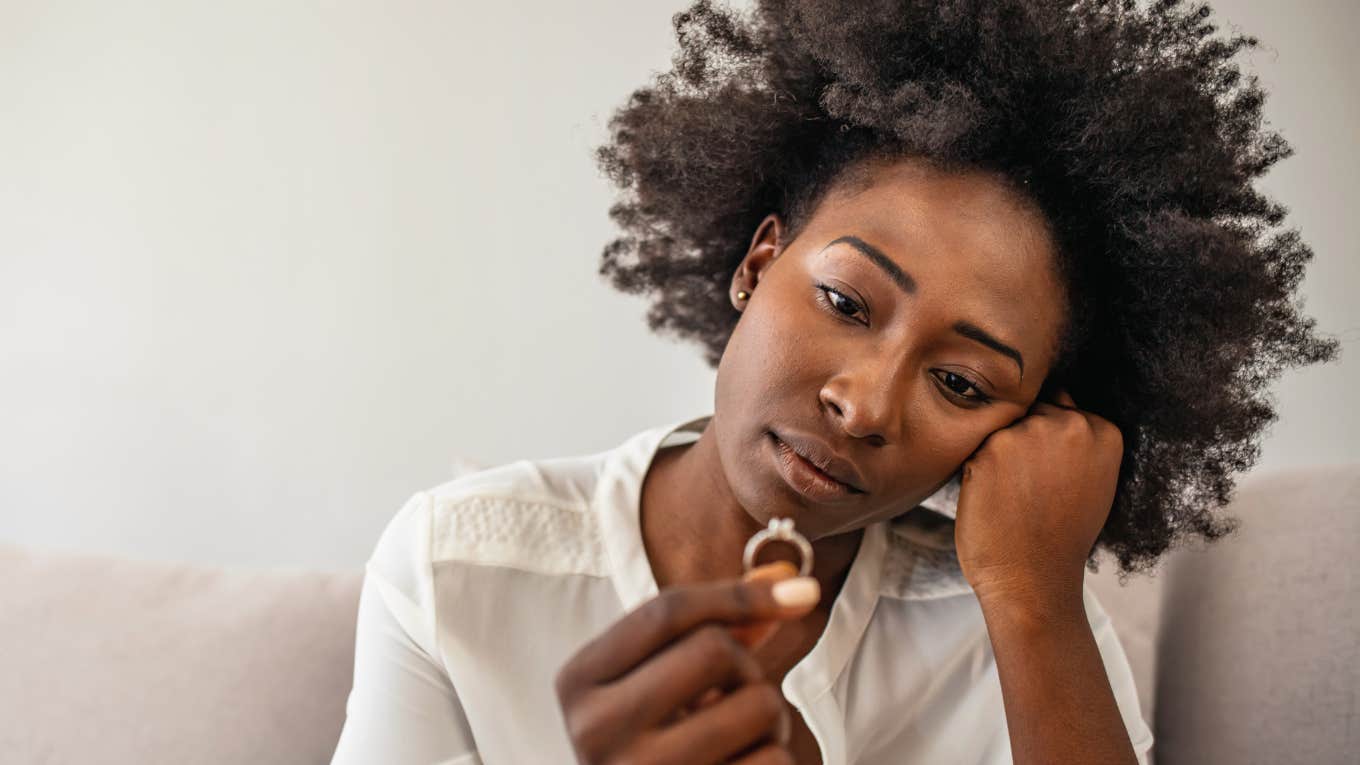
{"points": [[966, 239]]}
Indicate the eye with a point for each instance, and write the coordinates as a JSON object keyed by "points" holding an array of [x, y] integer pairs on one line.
{"points": [[835, 301], [958, 384]]}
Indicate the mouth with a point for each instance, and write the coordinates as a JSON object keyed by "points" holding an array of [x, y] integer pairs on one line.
{"points": [[806, 478]]}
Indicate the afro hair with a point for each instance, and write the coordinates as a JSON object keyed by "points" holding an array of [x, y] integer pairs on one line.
{"points": [[1132, 130]]}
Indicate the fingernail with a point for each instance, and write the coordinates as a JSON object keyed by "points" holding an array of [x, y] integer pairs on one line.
{"points": [[799, 591]]}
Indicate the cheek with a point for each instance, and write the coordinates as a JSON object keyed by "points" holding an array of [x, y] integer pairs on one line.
{"points": [[945, 435], [939, 455], [767, 354], [928, 469]]}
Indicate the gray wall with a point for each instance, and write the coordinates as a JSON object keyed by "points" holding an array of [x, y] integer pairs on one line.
{"points": [[267, 268]]}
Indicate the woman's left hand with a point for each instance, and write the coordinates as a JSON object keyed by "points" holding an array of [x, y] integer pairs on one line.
{"points": [[1032, 500]]}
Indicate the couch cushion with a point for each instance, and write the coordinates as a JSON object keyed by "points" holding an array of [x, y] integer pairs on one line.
{"points": [[1258, 659], [112, 660]]}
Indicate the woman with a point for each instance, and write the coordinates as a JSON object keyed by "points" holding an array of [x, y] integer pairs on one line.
{"points": [[988, 289]]}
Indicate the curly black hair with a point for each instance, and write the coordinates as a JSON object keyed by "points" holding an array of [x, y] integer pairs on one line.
{"points": [[1130, 127]]}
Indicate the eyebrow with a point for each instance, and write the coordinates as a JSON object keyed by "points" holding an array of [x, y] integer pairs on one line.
{"points": [[907, 284], [974, 332], [899, 277]]}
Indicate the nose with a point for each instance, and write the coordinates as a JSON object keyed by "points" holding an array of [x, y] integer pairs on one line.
{"points": [[866, 399]]}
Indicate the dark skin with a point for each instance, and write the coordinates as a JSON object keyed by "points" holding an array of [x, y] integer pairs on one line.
{"points": [[882, 374]]}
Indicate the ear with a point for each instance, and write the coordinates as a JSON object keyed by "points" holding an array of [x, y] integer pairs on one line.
{"points": [[770, 232], [767, 244]]}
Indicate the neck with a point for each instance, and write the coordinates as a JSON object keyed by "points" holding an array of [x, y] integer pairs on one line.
{"points": [[694, 529]]}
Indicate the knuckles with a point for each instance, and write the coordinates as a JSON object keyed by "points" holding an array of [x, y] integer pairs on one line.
{"points": [[563, 683], [568, 683], [592, 713], [1059, 432], [587, 724], [743, 598], [1110, 433], [717, 644], [1077, 430], [769, 700], [664, 610]]}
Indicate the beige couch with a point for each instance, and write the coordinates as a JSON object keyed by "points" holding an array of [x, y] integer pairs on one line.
{"points": [[1245, 652]]}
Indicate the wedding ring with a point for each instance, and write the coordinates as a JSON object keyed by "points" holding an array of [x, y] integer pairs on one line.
{"points": [[781, 530]]}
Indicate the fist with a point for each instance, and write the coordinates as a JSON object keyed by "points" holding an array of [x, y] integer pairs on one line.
{"points": [[1033, 498]]}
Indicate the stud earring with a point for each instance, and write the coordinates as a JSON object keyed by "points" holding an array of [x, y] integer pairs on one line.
{"points": [[742, 294]]}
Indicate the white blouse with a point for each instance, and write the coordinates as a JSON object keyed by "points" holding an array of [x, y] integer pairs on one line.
{"points": [[481, 588]]}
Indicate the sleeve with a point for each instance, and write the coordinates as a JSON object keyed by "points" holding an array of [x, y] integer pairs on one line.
{"points": [[402, 707], [1120, 674]]}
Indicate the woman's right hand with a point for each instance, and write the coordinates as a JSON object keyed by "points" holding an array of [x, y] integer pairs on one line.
{"points": [[674, 680]]}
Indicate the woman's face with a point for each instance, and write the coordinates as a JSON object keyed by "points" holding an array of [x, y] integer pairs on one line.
{"points": [[878, 331]]}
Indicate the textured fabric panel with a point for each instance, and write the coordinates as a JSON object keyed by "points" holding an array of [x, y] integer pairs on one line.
{"points": [[531, 536]]}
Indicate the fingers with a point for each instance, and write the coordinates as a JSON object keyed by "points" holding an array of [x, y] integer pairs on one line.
{"points": [[1054, 404], [733, 724], [648, 628], [768, 755], [753, 635], [708, 657], [629, 692]]}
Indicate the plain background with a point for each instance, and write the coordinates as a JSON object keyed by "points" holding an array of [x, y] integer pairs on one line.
{"points": [[267, 268]]}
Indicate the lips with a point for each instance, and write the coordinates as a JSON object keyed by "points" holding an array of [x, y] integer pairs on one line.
{"points": [[822, 458]]}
